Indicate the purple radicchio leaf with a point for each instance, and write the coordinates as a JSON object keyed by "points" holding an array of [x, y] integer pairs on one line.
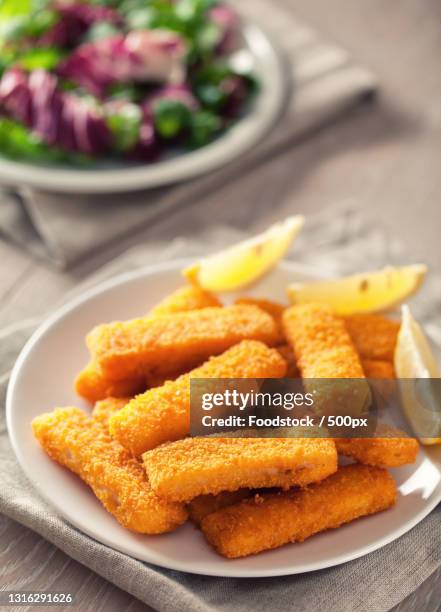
{"points": [[59, 118], [228, 22], [140, 56], [147, 149], [180, 93], [74, 21], [15, 97], [236, 92]]}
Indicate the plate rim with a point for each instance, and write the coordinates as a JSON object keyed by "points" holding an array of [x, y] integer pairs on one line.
{"points": [[126, 277], [236, 141]]}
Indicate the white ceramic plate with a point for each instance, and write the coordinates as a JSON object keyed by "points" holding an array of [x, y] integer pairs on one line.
{"points": [[269, 67], [42, 379]]}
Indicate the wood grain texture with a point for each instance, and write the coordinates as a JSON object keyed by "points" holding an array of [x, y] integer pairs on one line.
{"points": [[385, 157], [27, 562]]}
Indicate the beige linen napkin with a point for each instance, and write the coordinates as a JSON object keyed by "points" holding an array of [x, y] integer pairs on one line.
{"points": [[325, 82], [338, 243]]}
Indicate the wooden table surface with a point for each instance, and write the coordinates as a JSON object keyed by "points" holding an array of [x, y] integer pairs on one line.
{"points": [[386, 157]]}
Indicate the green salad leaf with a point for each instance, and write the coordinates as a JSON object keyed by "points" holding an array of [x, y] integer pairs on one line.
{"points": [[125, 126], [208, 81], [170, 117], [186, 17], [46, 58], [29, 25], [204, 127], [100, 30], [126, 91], [12, 8], [141, 18], [17, 142], [7, 58]]}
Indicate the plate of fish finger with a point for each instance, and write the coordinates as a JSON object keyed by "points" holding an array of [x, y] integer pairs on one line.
{"points": [[98, 412]]}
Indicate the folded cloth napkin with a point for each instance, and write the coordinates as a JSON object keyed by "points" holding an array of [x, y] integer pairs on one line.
{"points": [[64, 228], [337, 243]]}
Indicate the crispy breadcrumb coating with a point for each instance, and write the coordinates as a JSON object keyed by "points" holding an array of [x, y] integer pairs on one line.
{"points": [[373, 335], [170, 342], [372, 368], [189, 297], [274, 309], [75, 441], [163, 414], [270, 521], [288, 355], [202, 506], [389, 448], [104, 409], [92, 384], [321, 344], [381, 375], [323, 349], [376, 368], [183, 470]]}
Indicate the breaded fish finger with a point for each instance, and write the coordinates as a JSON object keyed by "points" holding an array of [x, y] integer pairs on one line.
{"points": [[288, 355], [323, 349], [372, 368], [170, 342], [373, 335], [75, 441], [376, 368], [94, 385], [381, 375], [270, 521], [274, 309], [104, 409], [159, 379], [183, 470], [389, 448], [202, 506], [189, 297], [321, 344], [163, 414]]}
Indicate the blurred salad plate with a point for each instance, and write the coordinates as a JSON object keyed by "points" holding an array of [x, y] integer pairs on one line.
{"points": [[121, 95]]}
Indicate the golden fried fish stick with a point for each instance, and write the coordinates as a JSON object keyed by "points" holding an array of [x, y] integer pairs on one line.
{"points": [[288, 355], [184, 299], [104, 409], [94, 385], [321, 344], [183, 470], [159, 379], [274, 309], [376, 368], [75, 441], [163, 414], [381, 374], [202, 506], [389, 448], [373, 335], [270, 521], [323, 349], [170, 342]]}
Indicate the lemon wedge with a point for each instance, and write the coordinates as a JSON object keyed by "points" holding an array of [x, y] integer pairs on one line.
{"points": [[244, 263], [414, 359], [369, 292]]}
